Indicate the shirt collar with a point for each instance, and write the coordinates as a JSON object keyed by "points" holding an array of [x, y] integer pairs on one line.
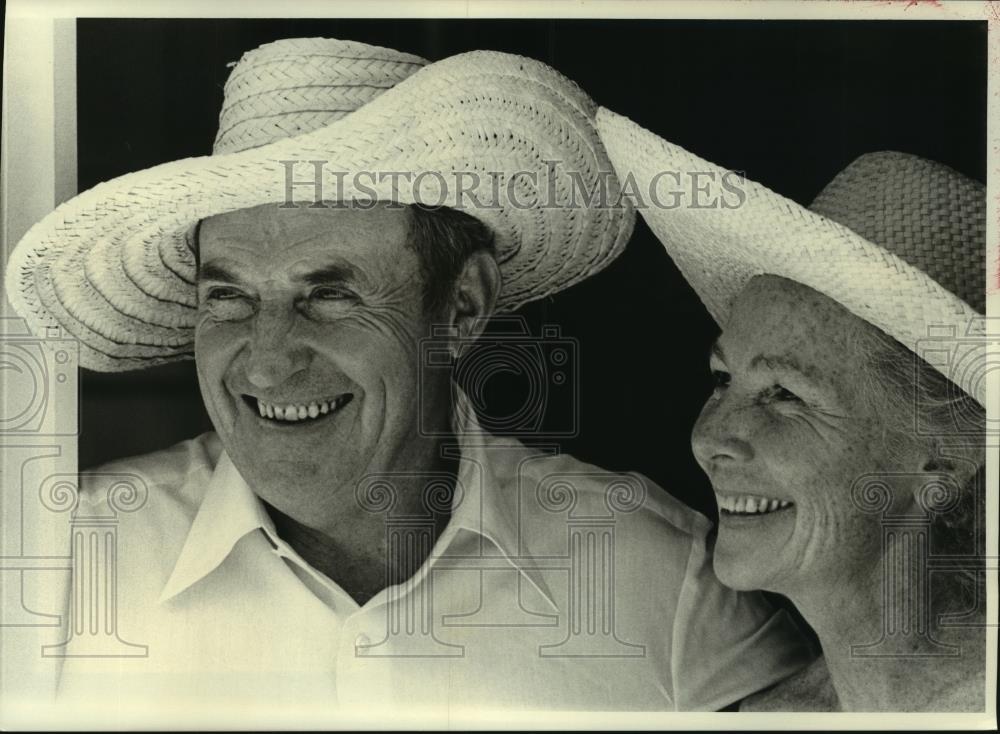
{"points": [[487, 506], [228, 511]]}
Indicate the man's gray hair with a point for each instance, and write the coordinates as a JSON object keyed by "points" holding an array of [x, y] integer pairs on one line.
{"points": [[443, 239]]}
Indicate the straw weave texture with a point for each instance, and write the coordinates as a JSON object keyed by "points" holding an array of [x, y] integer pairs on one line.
{"points": [[896, 239], [114, 266]]}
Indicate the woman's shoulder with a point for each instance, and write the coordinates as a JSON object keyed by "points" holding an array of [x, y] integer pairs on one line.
{"points": [[810, 689]]}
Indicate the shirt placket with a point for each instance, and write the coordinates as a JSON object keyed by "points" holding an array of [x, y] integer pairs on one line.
{"points": [[362, 664]]}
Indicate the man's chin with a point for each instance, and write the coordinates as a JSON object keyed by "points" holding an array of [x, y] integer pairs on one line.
{"points": [[298, 487], [264, 463]]}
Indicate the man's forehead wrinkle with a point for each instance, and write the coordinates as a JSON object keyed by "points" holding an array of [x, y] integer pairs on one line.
{"points": [[264, 225], [257, 242], [365, 250], [369, 273], [333, 250]]}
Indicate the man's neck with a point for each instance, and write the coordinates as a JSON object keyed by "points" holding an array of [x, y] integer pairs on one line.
{"points": [[356, 552]]}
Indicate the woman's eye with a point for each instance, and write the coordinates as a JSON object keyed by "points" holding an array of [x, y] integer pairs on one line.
{"points": [[720, 378]]}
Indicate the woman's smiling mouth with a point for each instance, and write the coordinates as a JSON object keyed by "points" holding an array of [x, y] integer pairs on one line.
{"points": [[747, 505], [289, 413]]}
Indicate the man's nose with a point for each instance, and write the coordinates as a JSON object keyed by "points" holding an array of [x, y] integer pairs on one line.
{"points": [[275, 353], [722, 434]]}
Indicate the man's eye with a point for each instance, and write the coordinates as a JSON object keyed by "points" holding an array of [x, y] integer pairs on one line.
{"points": [[329, 293], [222, 294], [228, 304], [328, 302], [781, 393]]}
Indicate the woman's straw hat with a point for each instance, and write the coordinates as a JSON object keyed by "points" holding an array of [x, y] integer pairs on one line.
{"points": [[114, 266], [896, 239]]}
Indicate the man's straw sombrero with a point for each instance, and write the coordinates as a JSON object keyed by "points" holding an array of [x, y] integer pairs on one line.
{"points": [[114, 266], [896, 239]]}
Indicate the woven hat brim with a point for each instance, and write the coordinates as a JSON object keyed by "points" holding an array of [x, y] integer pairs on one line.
{"points": [[114, 267], [719, 249]]}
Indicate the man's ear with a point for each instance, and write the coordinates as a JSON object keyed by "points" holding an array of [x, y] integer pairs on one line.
{"points": [[477, 288]]}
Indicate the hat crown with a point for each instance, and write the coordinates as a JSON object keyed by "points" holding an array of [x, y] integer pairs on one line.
{"points": [[922, 211], [297, 85]]}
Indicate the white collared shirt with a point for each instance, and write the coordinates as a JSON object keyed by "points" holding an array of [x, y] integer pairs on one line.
{"points": [[555, 586]]}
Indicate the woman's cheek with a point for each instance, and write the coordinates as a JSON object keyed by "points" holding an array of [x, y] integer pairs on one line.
{"points": [[793, 450]]}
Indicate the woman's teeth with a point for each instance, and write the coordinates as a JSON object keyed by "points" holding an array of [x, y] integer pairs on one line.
{"points": [[301, 412], [749, 505]]}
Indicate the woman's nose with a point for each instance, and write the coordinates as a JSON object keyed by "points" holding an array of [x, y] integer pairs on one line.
{"points": [[721, 435], [274, 353]]}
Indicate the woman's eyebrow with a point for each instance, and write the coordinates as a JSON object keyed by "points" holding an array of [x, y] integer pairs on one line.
{"points": [[784, 363]]}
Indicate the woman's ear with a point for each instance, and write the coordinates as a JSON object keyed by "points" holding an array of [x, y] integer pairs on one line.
{"points": [[949, 472], [474, 298]]}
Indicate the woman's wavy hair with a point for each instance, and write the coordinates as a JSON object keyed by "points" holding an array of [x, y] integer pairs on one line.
{"points": [[919, 403]]}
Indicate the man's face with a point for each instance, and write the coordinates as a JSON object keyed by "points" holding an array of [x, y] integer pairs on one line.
{"points": [[307, 346]]}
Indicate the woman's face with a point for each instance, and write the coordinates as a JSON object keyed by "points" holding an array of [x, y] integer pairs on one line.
{"points": [[790, 427]]}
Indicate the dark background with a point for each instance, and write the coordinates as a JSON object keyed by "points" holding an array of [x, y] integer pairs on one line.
{"points": [[789, 103]]}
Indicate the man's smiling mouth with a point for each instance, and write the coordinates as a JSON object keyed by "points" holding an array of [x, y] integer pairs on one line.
{"points": [[298, 412]]}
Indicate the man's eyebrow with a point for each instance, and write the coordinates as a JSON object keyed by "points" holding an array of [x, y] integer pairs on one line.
{"points": [[214, 271], [332, 273]]}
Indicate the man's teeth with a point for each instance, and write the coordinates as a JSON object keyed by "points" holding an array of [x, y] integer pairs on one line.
{"points": [[300, 412], [745, 504]]}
